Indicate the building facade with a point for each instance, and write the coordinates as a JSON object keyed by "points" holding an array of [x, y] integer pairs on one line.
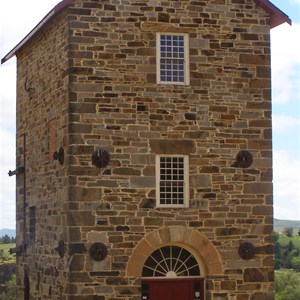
{"points": [[144, 151]]}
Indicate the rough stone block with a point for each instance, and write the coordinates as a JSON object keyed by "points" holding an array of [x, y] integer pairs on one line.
{"points": [[76, 263], [82, 218], [263, 296], [95, 236], [149, 221], [126, 171], [253, 59], [85, 194], [142, 182], [262, 210], [258, 188], [172, 146], [200, 181], [254, 275]]}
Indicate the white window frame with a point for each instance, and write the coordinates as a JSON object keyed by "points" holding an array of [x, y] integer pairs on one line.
{"points": [[185, 182], [186, 62]]}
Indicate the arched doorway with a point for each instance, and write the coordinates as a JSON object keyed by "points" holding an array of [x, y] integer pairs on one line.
{"points": [[174, 283], [191, 239], [172, 273]]}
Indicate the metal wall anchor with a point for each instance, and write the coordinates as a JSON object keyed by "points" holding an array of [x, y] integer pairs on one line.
{"points": [[59, 155], [16, 172], [17, 250]]}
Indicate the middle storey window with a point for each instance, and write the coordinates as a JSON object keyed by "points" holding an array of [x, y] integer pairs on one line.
{"points": [[172, 181]]}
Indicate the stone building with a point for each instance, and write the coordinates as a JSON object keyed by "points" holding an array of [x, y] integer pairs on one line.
{"points": [[144, 151]]}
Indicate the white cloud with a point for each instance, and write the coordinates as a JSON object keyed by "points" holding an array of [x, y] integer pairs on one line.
{"points": [[285, 44], [286, 186], [284, 123], [7, 184], [286, 104], [286, 63], [8, 94], [26, 14], [7, 143]]}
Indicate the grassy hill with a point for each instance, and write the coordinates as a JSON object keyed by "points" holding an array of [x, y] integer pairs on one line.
{"points": [[5, 256], [279, 225]]}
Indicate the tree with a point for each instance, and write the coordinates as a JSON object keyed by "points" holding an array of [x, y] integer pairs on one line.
{"points": [[299, 232], [296, 263], [277, 251], [286, 259], [11, 290], [288, 231], [5, 239], [287, 285], [290, 246], [6, 271], [286, 253]]}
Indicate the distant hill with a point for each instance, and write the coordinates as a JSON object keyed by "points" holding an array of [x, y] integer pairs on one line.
{"points": [[9, 232], [279, 225]]}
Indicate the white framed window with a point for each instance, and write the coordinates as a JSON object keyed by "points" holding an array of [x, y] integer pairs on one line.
{"points": [[172, 181], [172, 53]]}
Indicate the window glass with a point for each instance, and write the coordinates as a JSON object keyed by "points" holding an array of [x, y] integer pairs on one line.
{"points": [[171, 260], [172, 180], [172, 59]]}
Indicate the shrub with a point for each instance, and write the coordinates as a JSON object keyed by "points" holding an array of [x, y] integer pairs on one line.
{"points": [[287, 285]]}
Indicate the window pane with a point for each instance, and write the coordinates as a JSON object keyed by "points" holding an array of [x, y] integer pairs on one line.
{"points": [[171, 258], [174, 52], [171, 189]]}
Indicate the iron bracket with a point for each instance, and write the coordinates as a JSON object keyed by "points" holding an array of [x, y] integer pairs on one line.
{"points": [[16, 172]]}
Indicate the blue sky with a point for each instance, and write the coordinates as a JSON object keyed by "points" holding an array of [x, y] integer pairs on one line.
{"points": [[18, 17], [286, 100], [286, 112]]}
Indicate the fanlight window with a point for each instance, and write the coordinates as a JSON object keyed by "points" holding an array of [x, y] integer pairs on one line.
{"points": [[171, 261]]}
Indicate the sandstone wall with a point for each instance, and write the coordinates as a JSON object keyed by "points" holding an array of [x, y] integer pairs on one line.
{"points": [[42, 116], [100, 84], [117, 105]]}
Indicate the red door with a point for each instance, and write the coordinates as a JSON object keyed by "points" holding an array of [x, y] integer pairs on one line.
{"points": [[168, 290], [173, 289]]}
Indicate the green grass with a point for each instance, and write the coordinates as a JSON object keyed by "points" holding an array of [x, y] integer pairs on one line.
{"points": [[6, 257]]}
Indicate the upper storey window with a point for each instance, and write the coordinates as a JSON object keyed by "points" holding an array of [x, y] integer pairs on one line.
{"points": [[172, 58]]}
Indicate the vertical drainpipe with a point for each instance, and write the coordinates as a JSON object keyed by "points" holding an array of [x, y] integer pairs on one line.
{"points": [[24, 194], [26, 278], [22, 247]]}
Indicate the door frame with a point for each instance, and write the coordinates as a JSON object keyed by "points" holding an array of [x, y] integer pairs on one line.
{"points": [[146, 291]]}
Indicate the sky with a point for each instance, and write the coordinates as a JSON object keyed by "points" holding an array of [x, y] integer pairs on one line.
{"points": [[18, 17]]}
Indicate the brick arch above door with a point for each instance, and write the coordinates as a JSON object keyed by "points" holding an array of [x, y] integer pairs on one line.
{"points": [[194, 240]]}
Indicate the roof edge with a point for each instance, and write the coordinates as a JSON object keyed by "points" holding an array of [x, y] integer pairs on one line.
{"points": [[58, 8], [278, 17]]}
